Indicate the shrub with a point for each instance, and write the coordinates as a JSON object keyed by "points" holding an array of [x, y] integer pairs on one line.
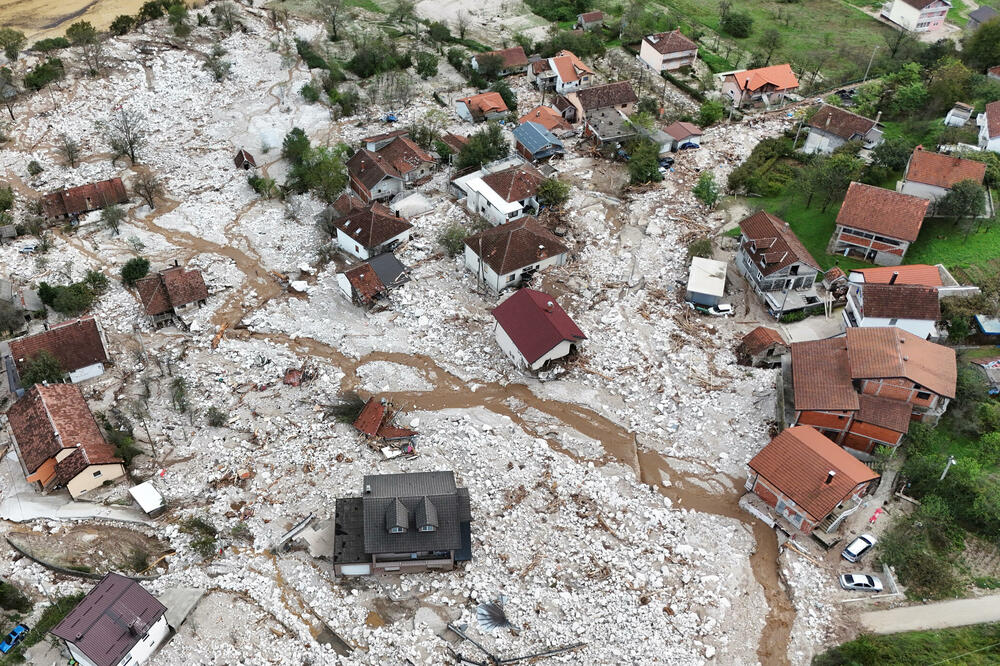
{"points": [[553, 192], [452, 239], [707, 190], [34, 168], [204, 533], [484, 146], [241, 531], [97, 281], [737, 24], [710, 113], [44, 74], [309, 56], [309, 93], [643, 163], [13, 599], [508, 96], [215, 417], [51, 44], [457, 58], [701, 247], [122, 24], [73, 300], [134, 270], [427, 64]]}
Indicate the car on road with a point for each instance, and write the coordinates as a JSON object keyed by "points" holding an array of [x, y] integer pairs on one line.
{"points": [[13, 638], [720, 310], [857, 548], [860, 582]]}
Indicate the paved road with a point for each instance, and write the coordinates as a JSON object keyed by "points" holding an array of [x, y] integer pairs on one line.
{"points": [[941, 615]]}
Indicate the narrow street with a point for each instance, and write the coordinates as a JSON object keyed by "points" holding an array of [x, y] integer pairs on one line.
{"points": [[940, 615]]}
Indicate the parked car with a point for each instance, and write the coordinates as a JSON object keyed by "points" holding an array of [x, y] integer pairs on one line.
{"points": [[858, 547], [861, 582], [720, 310], [666, 162], [13, 638]]}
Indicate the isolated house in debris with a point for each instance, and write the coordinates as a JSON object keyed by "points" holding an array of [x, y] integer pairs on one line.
{"points": [[958, 115], [505, 196], [372, 177], [683, 135], [807, 479], [876, 224], [513, 60], [532, 329], [509, 254], [118, 623], [606, 127], [913, 308], [59, 443], [762, 348], [410, 161], [563, 72], [75, 201], [932, 175], [831, 127], [534, 143], [366, 283], [377, 141], [78, 344], [403, 523], [244, 160], [916, 15], [167, 295], [767, 85], [589, 20], [706, 283], [989, 128], [667, 51], [583, 103], [484, 106], [548, 118], [372, 230], [776, 264]]}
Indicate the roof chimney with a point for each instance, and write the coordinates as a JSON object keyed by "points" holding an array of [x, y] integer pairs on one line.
{"points": [[829, 477], [549, 306], [828, 117], [877, 117], [892, 280]]}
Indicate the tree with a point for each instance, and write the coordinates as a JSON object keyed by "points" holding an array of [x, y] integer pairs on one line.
{"points": [[644, 163], [11, 317], [981, 49], [122, 24], [12, 42], [427, 64], [707, 190], [896, 40], [553, 192], [326, 174], [439, 32], [126, 133], [462, 24], [177, 15], [295, 146], [96, 281], [215, 63], [830, 176], [452, 239], [892, 154], [150, 11], [80, 33], [486, 145], [10, 91], [93, 55], [950, 82], [770, 41], [148, 187], [134, 270], [44, 367], [73, 300], [508, 96], [737, 24], [965, 199], [111, 217], [489, 66], [724, 7], [333, 12], [710, 113]]}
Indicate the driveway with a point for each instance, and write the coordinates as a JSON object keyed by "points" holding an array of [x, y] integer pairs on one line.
{"points": [[940, 615], [19, 501]]}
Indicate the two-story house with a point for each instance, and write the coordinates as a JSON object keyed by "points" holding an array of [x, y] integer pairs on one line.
{"points": [[766, 85], [512, 253], [989, 128], [576, 106], [170, 293], [915, 309], [667, 51], [916, 15], [505, 196], [877, 224], [563, 72], [366, 232], [831, 127], [484, 106], [776, 264], [371, 176], [78, 344], [409, 160]]}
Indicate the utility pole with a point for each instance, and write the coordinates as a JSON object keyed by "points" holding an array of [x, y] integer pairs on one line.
{"points": [[870, 60], [951, 461]]}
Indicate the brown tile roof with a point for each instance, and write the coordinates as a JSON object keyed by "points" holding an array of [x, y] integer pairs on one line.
{"points": [[775, 244], [670, 42], [243, 156], [455, 141], [923, 274], [509, 247], [942, 170], [821, 376], [547, 117], [76, 343], [682, 130], [371, 416], [345, 203], [889, 352], [779, 76], [590, 17], [760, 339], [49, 419], [85, 198], [171, 288], [885, 413], [610, 94], [883, 212], [993, 119], [839, 122], [900, 301], [404, 155], [835, 273], [370, 168], [798, 462], [484, 103], [365, 281], [515, 183], [372, 226], [375, 138], [569, 67], [512, 57]]}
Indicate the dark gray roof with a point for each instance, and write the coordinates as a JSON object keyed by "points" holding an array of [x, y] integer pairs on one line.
{"points": [[416, 484], [983, 14], [349, 529], [387, 267], [426, 513], [396, 515], [535, 137]]}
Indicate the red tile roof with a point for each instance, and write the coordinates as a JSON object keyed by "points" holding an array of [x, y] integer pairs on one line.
{"points": [[569, 67], [371, 416], [370, 168], [882, 212], [404, 155], [76, 343], [775, 244], [994, 70], [345, 203], [243, 156], [375, 138], [372, 226], [455, 141], [110, 620], [365, 281], [484, 103], [547, 117], [779, 76], [840, 122], [670, 42], [889, 352], [535, 323], [922, 274], [821, 376], [900, 301], [85, 198], [942, 170], [509, 247], [993, 119], [798, 462], [590, 17], [515, 183], [682, 130], [885, 413], [512, 57], [760, 339], [834, 274], [171, 288]]}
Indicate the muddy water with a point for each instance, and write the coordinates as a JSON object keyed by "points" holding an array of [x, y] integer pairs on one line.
{"points": [[620, 446]]}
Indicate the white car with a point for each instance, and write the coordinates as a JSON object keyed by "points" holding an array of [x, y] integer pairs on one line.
{"points": [[858, 547], [862, 582], [721, 310]]}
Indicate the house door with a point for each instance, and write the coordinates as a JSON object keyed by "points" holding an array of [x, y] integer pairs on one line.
{"points": [[870, 257]]}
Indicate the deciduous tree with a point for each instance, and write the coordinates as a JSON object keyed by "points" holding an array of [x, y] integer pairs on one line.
{"points": [[111, 217], [44, 367], [126, 133], [148, 187], [12, 41]]}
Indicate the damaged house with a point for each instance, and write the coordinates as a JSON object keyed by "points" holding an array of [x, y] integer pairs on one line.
{"points": [[762, 348], [578, 106], [484, 106], [73, 202], [504, 196], [563, 72], [766, 85], [169, 294], [512, 60], [78, 344], [58, 441], [370, 230], [410, 161], [510, 254], [532, 329], [370, 281], [403, 523]]}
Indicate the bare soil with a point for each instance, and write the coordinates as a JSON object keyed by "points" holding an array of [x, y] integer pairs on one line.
{"points": [[92, 548]]}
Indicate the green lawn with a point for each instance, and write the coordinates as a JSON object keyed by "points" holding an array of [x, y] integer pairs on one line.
{"points": [[958, 14], [940, 242], [977, 645]]}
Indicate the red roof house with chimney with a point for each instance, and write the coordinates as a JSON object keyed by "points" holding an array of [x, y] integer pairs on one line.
{"points": [[806, 479], [372, 177], [170, 293], [75, 201], [507, 255], [932, 175], [374, 229], [78, 344], [876, 224], [776, 263], [532, 329]]}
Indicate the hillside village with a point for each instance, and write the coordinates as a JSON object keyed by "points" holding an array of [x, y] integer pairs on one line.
{"points": [[369, 333]]}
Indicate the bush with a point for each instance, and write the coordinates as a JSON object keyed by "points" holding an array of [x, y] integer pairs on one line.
{"points": [[706, 190], [13, 599], [377, 57], [134, 270], [553, 192], [51, 44], [215, 417], [44, 74], [486, 145], [702, 247], [73, 300], [97, 281], [452, 239], [204, 534], [309, 56], [427, 64], [643, 163], [309, 93], [122, 24], [710, 113], [737, 24], [508, 96], [457, 58], [34, 168]]}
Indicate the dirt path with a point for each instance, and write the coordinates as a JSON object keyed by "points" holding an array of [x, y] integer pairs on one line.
{"points": [[941, 615]]}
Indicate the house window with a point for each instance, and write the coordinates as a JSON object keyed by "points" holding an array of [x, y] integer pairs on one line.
{"points": [[923, 395], [892, 322], [396, 530], [427, 528], [97, 474], [511, 278]]}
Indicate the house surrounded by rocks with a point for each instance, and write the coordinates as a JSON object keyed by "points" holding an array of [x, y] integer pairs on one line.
{"points": [[75, 201], [766, 85], [507, 255], [513, 60], [506, 195], [532, 329], [577, 106], [374, 229], [369, 281], [762, 347], [484, 106], [372, 177], [776, 264], [563, 72], [170, 293], [78, 344]]}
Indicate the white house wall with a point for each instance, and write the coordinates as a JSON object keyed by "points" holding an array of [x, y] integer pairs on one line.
{"points": [[560, 350], [144, 649], [487, 275], [922, 190], [818, 141]]}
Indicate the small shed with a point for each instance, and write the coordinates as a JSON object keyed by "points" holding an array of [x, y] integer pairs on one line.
{"points": [[761, 348], [706, 281], [148, 498], [987, 325], [244, 160]]}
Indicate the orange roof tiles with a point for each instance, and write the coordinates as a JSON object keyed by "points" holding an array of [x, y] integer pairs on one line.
{"points": [[993, 119], [547, 117], [371, 226], [511, 58], [821, 376], [569, 67], [76, 344], [85, 198], [484, 103], [798, 462], [404, 155], [760, 339], [890, 352], [900, 301], [682, 130], [942, 170], [779, 76], [883, 212], [922, 274]]}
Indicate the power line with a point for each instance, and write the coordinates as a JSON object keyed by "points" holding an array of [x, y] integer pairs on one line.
{"points": [[965, 653]]}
